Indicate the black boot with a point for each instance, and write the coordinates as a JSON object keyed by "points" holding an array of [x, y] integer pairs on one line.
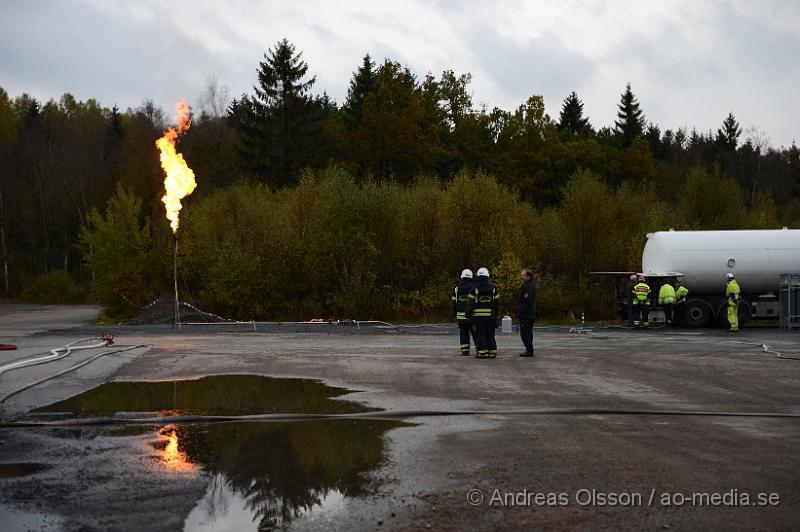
{"points": [[528, 354]]}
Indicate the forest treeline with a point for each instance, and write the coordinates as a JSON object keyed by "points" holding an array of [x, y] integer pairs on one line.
{"points": [[306, 207]]}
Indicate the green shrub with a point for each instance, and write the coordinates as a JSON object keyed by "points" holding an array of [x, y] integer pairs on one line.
{"points": [[55, 288], [127, 258], [337, 247]]}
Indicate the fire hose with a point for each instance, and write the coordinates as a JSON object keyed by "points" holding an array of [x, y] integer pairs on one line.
{"points": [[59, 353], [63, 372], [389, 414], [766, 349], [778, 354]]}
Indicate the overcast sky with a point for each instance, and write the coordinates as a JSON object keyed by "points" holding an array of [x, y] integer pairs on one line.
{"points": [[689, 62]]}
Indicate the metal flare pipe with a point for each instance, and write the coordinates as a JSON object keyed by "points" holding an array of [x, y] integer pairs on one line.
{"points": [[175, 282]]}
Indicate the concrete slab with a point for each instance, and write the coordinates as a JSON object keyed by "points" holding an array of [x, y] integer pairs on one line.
{"points": [[610, 471], [17, 321]]}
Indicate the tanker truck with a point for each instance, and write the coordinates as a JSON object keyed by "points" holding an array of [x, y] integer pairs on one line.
{"points": [[758, 259]]}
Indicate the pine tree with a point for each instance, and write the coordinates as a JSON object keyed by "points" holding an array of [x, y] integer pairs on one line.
{"points": [[631, 118], [695, 138], [653, 138], [364, 82], [280, 77], [115, 126], [728, 135], [277, 124], [572, 115], [668, 138], [794, 154], [680, 138]]}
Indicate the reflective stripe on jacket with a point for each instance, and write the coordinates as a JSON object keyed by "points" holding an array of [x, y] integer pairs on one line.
{"points": [[483, 301], [641, 294], [733, 292], [459, 298], [680, 294], [666, 295]]}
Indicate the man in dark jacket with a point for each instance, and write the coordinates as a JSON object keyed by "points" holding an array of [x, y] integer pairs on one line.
{"points": [[482, 309], [459, 298], [526, 310]]}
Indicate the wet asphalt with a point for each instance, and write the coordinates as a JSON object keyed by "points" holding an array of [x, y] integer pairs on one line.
{"points": [[601, 430]]}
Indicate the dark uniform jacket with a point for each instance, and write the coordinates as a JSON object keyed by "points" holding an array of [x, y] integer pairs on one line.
{"points": [[484, 301], [460, 296], [526, 300]]}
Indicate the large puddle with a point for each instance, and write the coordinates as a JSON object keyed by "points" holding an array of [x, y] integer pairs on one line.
{"points": [[218, 395], [261, 475], [268, 474]]}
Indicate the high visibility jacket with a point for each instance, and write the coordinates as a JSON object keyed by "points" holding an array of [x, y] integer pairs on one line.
{"points": [[641, 294], [484, 301], [460, 296], [733, 292], [666, 295], [680, 294]]}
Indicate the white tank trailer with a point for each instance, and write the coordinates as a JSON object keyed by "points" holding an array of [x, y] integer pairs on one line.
{"points": [[757, 258]]}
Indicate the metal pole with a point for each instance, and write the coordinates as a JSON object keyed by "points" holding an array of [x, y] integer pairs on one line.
{"points": [[175, 279]]}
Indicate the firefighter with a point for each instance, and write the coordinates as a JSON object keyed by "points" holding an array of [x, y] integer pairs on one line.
{"points": [[666, 298], [459, 297], [733, 294], [482, 309], [681, 293], [641, 298]]}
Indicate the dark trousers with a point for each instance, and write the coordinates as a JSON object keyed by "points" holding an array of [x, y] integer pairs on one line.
{"points": [[643, 315], [668, 313], [485, 342], [677, 314], [526, 333], [464, 332]]}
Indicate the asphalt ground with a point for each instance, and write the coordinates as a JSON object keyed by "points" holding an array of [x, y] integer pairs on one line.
{"points": [[605, 429]]}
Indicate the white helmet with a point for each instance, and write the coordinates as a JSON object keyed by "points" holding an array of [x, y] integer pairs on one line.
{"points": [[466, 274], [728, 276], [483, 272]]}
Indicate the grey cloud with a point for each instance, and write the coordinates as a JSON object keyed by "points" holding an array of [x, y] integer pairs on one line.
{"points": [[762, 45], [93, 54], [543, 66], [52, 47]]}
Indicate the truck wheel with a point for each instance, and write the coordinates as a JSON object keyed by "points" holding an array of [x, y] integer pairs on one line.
{"points": [[697, 313], [722, 314]]}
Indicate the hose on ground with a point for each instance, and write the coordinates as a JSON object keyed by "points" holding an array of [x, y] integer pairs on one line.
{"points": [[388, 414], [765, 348], [778, 354], [64, 372], [55, 354]]}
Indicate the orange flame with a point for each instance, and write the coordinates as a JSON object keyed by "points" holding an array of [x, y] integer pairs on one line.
{"points": [[173, 457], [179, 182]]}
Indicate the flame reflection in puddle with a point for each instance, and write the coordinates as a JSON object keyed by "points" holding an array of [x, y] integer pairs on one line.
{"points": [[172, 456]]}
